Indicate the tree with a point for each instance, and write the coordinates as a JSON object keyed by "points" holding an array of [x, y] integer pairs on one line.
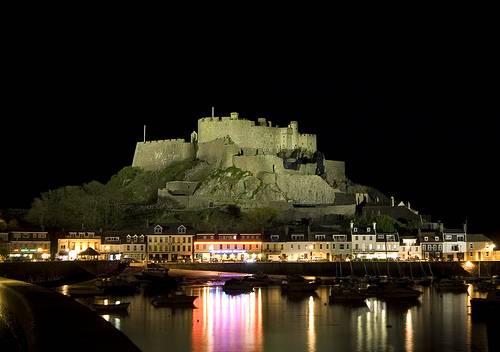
{"points": [[3, 224], [385, 223]]}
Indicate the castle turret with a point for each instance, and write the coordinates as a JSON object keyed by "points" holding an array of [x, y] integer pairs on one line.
{"points": [[294, 125], [234, 116]]}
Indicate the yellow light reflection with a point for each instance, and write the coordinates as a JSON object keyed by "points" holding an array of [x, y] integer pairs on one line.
{"points": [[311, 334], [409, 332]]}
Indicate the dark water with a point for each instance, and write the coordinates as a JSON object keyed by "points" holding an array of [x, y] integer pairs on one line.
{"points": [[268, 321]]}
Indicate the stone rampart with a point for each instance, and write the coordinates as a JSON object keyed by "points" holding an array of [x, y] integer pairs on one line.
{"points": [[335, 172], [156, 155]]}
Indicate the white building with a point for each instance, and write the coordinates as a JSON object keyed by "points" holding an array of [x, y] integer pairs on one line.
{"points": [[409, 248], [134, 247], [454, 245]]}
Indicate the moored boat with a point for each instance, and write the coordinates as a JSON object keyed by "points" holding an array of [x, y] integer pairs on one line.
{"points": [[297, 283], [452, 285], [346, 293], [111, 307], [396, 292], [117, 286], [176, 299], [236, 286], [489, 306], [484, 286], [424, 281]]}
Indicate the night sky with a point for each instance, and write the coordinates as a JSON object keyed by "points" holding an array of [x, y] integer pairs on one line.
{"points": [[423, 130]]}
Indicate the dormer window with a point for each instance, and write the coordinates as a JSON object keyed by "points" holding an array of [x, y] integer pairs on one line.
{"points": [[426, 238], [320, 237], [275, 237], [436, 238], [368, 229], [355, 229], [158, 229], [181, 229]]}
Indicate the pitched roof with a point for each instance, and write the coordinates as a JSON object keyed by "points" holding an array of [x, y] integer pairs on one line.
{"points": [[477, 238]]}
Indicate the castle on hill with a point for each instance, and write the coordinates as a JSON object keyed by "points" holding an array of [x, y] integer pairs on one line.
{"points": [[248, 163]]}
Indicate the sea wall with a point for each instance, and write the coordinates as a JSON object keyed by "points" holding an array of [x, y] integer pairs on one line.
{"points": [[39, 319], [396, 269], [51, 274]]}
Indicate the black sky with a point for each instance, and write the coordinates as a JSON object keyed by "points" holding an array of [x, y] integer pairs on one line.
{"points": [[420, 125]]}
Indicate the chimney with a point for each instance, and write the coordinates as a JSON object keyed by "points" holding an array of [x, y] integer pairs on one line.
{"points": [[409, 208], [374, 227], [392, 201]]}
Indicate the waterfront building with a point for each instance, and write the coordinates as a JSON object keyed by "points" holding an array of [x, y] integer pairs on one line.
{"points": [[29, 245], [133, 246], [73, 243], [111, 247], [273, 245], [454, 245], [386, 246], [409, 248], [4, 245], [211, 247], [431, 243], [363, 242], [171, 243], [341, 247], [479, 247]]}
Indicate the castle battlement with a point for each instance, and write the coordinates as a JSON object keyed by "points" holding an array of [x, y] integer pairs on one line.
{"points": [[258, 135], [173, 140]]}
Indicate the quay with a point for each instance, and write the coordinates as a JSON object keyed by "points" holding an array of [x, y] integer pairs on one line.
{"points": [[358, 268]]}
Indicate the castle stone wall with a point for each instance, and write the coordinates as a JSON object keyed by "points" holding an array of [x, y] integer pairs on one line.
{"points": [[308, 169], [259, 163], [218, 153], [305, 189], [246, 134], [156, 155], [316, 212], [335, 172]]}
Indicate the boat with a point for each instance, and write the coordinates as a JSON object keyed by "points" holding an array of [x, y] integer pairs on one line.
{"points": [[397, 292], [176, 299], [152, 273], [297, 283], [110, 308], [484, 286], [346, 293], [424, 281], [158, 276], [117, 286], [489, 306], [75, 292], [259, 280], [452, 285], [237, 286]]}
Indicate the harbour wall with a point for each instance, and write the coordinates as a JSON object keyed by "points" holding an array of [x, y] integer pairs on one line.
{"points": [[395, 269], [52, 274], [38, 319]]}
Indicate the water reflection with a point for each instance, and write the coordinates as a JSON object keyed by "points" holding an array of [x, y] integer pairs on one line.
{"points": [[227, 322], [266, 320]]}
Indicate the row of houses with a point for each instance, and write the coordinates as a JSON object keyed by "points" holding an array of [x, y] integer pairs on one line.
{"points": [[179, 242]]}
